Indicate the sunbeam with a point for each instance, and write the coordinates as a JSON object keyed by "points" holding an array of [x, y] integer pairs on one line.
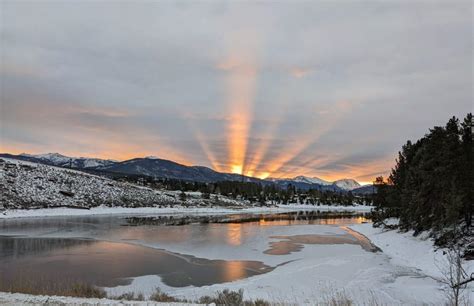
{"points": [[331, 119], [200, 138], [241, 76], [271, 130]]}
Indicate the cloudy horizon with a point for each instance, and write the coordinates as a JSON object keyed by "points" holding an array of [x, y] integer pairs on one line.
{"points": [[326, 89]]}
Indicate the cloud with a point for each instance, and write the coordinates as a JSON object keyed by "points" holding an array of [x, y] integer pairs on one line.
{"points": [[323, 89], [298, 72]]}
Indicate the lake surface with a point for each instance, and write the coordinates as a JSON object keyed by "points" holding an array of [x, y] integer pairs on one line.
{"points": [[183, 250]]}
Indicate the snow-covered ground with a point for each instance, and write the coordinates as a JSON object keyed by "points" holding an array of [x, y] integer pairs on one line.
{"points": [[405, 273], [314, 275], [418, 253], [27, 299]]}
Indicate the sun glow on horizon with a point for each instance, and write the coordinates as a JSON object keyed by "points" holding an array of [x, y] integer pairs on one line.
{"points": [[263, 175], [236, 169]]}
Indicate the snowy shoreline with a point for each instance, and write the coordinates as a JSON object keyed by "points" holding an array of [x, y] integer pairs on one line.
{"points": [[103, 210], [401, 250], [28, 299], [417, 253], [404, 249], [405, 272]]}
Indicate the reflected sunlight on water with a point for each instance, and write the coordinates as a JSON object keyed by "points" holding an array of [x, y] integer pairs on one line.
{"points": [[233, 270], [50, 250], [234, 233]]}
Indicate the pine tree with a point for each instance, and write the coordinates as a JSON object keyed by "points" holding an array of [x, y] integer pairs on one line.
{"points": [[431, 186], [467, 169]]}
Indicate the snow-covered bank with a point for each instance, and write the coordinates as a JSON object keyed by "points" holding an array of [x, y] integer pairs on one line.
{"points": [[104, 210], [310, 275], [406, 250], [28, 299]]}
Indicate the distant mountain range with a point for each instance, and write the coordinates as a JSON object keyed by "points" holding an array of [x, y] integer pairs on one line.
{"points": [[161, 168], [346, 184]]}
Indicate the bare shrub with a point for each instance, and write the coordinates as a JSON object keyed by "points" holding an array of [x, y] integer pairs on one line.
{"points": [[160, 296], [453, 276], [257, 302], [74, 289], [129, 296], [338, 298], [86, 290], [232, 298]]}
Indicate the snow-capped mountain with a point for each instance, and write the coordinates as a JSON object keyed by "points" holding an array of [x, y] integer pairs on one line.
{"points": [[347, 184], [60, 160], [308, 182], [311, 180], [54, 158]]}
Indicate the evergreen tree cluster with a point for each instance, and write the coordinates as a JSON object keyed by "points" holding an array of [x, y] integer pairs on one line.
{"points": [[253, 192], [431, 186]]}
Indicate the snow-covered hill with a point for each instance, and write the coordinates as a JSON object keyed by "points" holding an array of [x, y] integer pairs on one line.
{"points": [[31, 185]]}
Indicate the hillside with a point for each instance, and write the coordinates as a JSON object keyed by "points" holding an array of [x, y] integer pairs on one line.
{"points": [[32, 185], [156, 167]]}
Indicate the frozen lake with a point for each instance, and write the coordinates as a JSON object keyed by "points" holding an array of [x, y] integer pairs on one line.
{"points": [[273, 256]]}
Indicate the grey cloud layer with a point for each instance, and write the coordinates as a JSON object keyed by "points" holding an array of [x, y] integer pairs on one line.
{"points": [[401, 67]]}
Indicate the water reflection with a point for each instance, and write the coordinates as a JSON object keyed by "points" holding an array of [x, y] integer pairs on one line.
{"points": [[110, 264], [16, 248], [234, 234], [276, 219], [49, 250], [289, 244]]}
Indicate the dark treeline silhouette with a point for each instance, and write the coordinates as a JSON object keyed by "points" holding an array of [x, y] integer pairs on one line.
{"points": [[253, 192], [431, 186]]}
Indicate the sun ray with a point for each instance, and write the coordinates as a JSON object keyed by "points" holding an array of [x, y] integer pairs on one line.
{"points": [[202, 141], [331, 119], [241, 76], [271, 130]]}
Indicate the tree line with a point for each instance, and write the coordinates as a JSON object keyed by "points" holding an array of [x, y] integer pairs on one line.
{"points": [[431, 186], [253, 192]]}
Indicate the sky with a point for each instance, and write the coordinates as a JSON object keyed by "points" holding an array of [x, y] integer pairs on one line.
{"points": [[331, 89]]}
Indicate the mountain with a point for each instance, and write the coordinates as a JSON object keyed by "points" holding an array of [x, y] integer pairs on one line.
{"points": [[311, 180], [304, 182], [284, 183], [156, 167], [161, 168], [59, 160], [347, 184], [366, 189]]}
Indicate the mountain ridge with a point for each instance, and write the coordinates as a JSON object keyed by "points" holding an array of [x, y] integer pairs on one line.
{"points": [[161, 168]]}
